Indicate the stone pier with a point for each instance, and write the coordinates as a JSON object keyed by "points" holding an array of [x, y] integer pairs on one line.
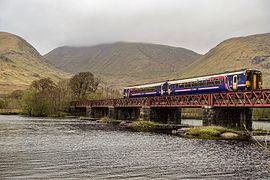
{"points": [[98, 112], [166, 115], [231, 117], [170, 115], [128, 113]]}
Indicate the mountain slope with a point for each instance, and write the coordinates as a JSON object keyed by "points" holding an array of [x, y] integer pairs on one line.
{"points": [[123, 63], [233, 54], [20, 64]]}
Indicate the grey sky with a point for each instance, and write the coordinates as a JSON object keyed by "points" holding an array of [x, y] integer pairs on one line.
{"points": [[198, 25]]}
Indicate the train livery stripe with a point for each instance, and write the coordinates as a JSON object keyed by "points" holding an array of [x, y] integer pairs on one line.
{"points": [[151, 93], [241, 85], [146, 93], [205, 88], [181, 90]]}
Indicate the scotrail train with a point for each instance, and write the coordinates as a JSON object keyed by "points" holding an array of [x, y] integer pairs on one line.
{"points": [[245, 79]]}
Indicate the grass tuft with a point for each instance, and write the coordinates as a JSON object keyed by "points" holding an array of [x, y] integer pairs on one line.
{"points": [[105, 120], [144, 124], [207, 131]]}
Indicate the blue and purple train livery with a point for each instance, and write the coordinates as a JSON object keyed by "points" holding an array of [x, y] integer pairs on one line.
{"points": [[245, 79]]}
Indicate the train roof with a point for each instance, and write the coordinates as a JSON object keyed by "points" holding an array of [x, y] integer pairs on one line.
{"points": [[191, 78], [146, 85]]}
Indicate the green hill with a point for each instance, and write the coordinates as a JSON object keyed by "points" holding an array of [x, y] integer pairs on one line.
{"points": [[20, 64], [232, 54], [123, 63]]}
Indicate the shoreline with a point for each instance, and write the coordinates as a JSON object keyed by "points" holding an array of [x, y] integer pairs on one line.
{"points": [[181, 130]]}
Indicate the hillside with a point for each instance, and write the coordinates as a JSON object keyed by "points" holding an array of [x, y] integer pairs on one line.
{"points": [[123, 63], [232, 54], [20, 64]]}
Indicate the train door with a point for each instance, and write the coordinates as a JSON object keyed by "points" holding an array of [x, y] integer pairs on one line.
{"points": [[235, 82], [256, 80], [164, 88], [253, 79]]}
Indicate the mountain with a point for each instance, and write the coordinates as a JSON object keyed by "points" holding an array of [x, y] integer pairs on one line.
{"points": [[123, 63], [21, 63], [233, 54]]}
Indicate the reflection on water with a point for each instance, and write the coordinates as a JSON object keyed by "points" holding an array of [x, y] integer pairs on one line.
{"points": [[56, 148], [255, 124]]}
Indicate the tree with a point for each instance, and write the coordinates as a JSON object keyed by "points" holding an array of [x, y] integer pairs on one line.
{"points": [[17, 94], [39, 99], [27, 102], [43, 85], [83, 84]]}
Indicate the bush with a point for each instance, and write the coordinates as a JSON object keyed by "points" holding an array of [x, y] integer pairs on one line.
{"points": [[3, 104]]}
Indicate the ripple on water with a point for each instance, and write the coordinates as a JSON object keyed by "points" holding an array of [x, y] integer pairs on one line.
{"points": [[58, 148]]}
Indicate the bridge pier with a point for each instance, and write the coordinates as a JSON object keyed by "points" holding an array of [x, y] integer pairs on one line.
{"points": [[128, 113], [145, 113], [167, 115], [89, 112], [72, 110], [161, 114], [78, 111], [98, 112], [231, 117]]}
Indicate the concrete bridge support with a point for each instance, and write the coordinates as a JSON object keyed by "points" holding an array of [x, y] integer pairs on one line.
{"points": [[77, 111], [166, 115], [161, 114], [72, 110], [144, 114], [127, 113], [236, 117], [98, 112]]}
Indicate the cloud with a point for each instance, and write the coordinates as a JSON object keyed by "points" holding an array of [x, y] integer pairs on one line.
{"points": [[194, 24]]}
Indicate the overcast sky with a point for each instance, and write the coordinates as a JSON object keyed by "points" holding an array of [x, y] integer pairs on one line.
{"points": [[198, 25]]}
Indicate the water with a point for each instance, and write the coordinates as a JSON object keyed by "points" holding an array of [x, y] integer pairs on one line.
{"points": [[34, 148], [255, 124]]}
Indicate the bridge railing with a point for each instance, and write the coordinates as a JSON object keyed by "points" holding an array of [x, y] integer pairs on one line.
{"points": [[258, 98]]}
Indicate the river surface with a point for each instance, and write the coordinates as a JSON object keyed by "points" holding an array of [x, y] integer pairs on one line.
{"points": [[255, 124], [35, 148]]}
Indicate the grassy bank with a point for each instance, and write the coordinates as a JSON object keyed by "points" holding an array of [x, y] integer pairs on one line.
{"points": [[214, 132], [10, 111], [144, 125], [261, 114]]}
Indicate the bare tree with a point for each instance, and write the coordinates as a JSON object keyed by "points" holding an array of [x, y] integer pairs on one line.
{"points": [[83, 84], [43, 85]]}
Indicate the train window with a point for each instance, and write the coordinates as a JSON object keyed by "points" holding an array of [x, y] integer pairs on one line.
{"points": [[187, 85], [234, 78], [248, 76], [210, 82], [217, 81], [180, 85], [201, 83], [146, 89], [195, 83]]}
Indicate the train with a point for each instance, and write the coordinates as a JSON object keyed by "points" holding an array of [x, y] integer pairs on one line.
{"points": [[244, 79]]}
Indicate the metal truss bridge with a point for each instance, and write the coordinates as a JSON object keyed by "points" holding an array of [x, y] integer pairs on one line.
{"points": [[253, 99]]}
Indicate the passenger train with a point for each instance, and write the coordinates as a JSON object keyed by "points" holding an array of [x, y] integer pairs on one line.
{"points": [[245, 79]]}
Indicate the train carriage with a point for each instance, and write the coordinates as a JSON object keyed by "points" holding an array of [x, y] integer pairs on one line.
{"points": [[245, 79]]}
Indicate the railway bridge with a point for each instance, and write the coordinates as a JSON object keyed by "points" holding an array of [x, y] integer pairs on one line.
{"points": [[228, 109]]}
